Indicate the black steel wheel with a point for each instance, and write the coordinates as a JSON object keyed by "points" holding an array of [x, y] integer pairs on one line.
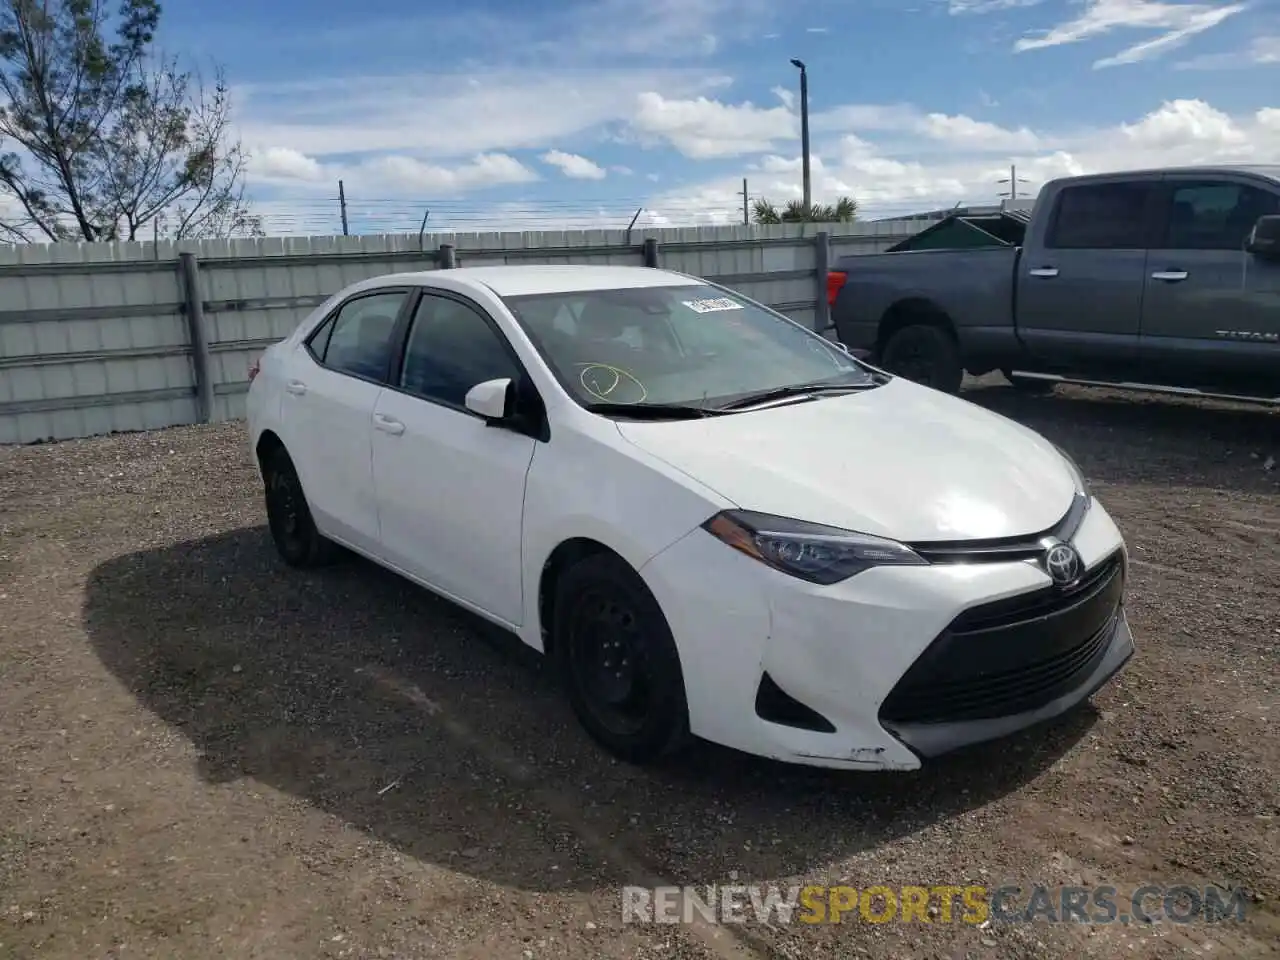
{"points": [[297, 540], [618, 661], [925, 354]]}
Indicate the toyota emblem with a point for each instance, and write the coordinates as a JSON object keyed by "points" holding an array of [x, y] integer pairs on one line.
{"points": [[1062, 563]]}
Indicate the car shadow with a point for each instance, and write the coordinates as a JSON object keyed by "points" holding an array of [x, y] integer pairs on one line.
{"points": [[376, 702], [1147, 438]]}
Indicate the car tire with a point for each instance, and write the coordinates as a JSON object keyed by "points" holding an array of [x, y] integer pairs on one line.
{"points": [[618, 661], [289, 519], [925, 354], [1028, 384]]}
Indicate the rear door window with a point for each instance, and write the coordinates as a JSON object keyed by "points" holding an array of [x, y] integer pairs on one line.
{"points": [[357, 340]]}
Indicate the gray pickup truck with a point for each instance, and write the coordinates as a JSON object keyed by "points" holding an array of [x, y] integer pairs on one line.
{"points": [[1161, 278]]}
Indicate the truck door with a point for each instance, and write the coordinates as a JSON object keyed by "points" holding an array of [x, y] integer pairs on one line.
{"points": [[1082, 273], [1211, 312]]}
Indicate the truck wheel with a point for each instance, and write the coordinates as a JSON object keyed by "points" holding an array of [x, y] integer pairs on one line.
{"points": [[1028, 384], [925, 354]]}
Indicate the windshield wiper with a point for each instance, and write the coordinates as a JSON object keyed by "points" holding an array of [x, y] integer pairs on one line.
{"points": [[797, 390], [652, 411]]}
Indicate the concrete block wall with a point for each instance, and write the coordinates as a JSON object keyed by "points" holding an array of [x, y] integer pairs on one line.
{"points": [[97, 338]]}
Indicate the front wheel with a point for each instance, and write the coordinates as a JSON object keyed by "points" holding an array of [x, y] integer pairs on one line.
{"points": [[618, 661], [925, 354]]}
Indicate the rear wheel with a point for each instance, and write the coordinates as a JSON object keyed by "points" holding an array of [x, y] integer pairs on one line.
{"points": [[297, 540], [618, 661], [925, 354]]}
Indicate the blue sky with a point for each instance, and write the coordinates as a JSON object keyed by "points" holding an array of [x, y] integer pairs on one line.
{"points": [[582, 111]]}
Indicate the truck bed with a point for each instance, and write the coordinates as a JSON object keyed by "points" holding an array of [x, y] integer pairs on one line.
{"points": [[974, 287]]}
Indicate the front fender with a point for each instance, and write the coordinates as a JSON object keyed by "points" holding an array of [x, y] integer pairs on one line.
{"points": [[602, 488]]}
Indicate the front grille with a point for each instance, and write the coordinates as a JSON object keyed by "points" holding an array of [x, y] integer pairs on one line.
{"points": [[1011, 656], [1005, 549]]}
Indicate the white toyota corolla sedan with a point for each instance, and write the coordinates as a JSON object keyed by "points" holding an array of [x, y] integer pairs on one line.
{"points": [[716, 522]]}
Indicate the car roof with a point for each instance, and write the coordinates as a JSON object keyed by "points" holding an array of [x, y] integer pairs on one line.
{"points": [[526, 279], [1263, 170]]}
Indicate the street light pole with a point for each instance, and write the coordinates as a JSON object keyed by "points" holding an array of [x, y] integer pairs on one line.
{"points": [[804, 132]]}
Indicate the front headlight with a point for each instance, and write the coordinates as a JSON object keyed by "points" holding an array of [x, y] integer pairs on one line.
{"points": [[810, 551], [1082, 484]]}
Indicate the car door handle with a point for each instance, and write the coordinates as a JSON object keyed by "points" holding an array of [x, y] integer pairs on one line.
{"points": [[1044, 272], [296, 387], [387, 425], [1172, 276]]}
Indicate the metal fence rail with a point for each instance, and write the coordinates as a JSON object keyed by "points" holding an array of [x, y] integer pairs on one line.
{"points": [[98, 338]]}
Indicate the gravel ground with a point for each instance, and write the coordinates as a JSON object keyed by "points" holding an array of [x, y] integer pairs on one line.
{"points": [[206, 755]]}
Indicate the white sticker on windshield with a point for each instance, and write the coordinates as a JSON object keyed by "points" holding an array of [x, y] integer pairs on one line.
{"points": [[712, 306]]}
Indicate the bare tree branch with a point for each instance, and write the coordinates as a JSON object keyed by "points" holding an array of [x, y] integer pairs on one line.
{"points": [[100, 136]]}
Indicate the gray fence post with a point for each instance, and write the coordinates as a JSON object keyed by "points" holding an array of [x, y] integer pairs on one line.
{"points": [[821, 266], [197, 334], [650, 252], [448, 257]]}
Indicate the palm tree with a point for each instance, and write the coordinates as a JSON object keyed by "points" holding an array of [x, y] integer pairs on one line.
{"points": [[844, 210]]}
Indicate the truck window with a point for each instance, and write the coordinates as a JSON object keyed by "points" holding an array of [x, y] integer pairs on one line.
{"points": [[1215, 215], [1101, 216]]}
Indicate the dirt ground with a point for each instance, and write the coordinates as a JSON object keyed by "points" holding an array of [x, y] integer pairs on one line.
{"points": [[203, 754]]}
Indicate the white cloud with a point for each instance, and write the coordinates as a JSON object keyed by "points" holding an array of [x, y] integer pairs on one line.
{"points": [[958, 131], [401, 173], [594, 34], [704, 128], [1187, 124], [284, 164], [448, 115], [889, 182], [962, 131], [389, 173], [1176, 22], [573, 166], [958, 8], [887, 177], [1262, 51], [658, 28]]}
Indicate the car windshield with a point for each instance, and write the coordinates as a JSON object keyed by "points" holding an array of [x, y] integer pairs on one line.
{"points": [[692, 345]]}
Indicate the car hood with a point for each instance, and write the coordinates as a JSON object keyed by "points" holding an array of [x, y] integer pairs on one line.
{"points": [[899, 461]]}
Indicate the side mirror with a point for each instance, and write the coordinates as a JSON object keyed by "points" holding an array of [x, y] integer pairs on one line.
{"points": [[493, 399], [1264, 240]]}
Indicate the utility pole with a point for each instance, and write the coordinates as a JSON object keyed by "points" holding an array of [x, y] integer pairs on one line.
{"points": [[804, 132], [746, 218], [342, 206], [1013, 180]]}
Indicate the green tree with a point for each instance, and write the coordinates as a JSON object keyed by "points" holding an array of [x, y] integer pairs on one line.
{"points": [[844, 210], [101, 137]]}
